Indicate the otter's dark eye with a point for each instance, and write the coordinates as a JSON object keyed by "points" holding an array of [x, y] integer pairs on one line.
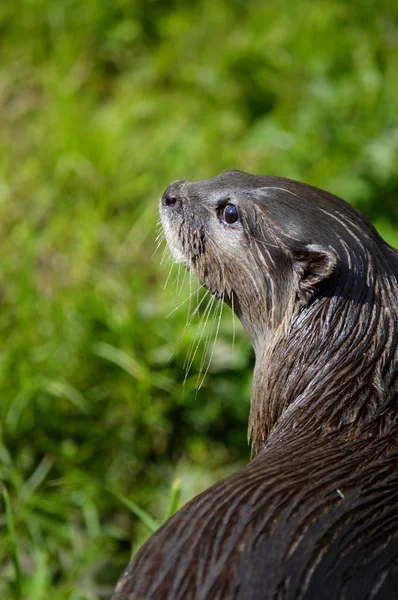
{"points": [[230, 214]]}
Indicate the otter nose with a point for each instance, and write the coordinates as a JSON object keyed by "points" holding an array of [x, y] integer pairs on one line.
{"points": [[170, 199], [172, 196]]}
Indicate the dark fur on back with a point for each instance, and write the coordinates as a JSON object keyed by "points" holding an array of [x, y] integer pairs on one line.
{"points": [[315, 513]]}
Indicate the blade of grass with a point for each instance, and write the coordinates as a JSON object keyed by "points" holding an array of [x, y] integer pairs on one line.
{"points": [[149, 521], [13, 542], [175, 494], [63, 389], [37, 477], [38, 587], [120, 358]]}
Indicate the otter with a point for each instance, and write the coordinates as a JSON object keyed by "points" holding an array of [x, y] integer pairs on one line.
{"points": [[315, 513]]}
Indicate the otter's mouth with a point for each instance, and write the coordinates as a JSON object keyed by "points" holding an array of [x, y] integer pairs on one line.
{"points": [[174, 243]]}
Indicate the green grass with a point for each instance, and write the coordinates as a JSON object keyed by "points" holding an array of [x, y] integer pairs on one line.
{"points": [[13, 544], [102, 105]]}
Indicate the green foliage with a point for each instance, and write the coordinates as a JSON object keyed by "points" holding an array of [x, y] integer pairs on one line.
{"points": [[102, 105]]}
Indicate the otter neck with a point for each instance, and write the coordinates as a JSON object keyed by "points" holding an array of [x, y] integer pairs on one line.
{"points": [[334, 370]]}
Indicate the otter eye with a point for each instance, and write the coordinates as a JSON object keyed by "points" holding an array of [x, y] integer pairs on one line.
{"points": [[230, 214]]}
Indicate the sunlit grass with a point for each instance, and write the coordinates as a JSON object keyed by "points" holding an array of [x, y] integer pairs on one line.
{"points": [[102, 105]]}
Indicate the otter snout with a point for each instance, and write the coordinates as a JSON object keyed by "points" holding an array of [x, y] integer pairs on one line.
{"points": [[172, 218], [172, 197]]}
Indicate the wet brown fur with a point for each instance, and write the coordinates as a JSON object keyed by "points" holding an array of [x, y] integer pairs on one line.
{"points": [[315, 513]]}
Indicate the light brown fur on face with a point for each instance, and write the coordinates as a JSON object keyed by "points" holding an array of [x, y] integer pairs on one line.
{"points": [[315, 513]]}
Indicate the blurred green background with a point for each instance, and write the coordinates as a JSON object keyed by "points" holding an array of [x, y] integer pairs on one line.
{"points": [[102, 105]]}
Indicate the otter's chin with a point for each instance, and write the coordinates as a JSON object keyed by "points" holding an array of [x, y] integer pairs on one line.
{"points": [[178, 256]]}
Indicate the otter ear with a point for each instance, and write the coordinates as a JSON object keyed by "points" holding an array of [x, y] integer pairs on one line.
{"points": [[313, 264]]}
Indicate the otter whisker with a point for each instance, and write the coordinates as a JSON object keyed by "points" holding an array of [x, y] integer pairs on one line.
{"points": [[190, 288], [198, 338], [169, 275], [187, 299], [190, 319], [177, 278], [199, 331], [182, 283], [166, 256], [160, 238], [208, 339], [157, 248], [160, 231], [207, 293], [221, 304], [233, 321]]}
